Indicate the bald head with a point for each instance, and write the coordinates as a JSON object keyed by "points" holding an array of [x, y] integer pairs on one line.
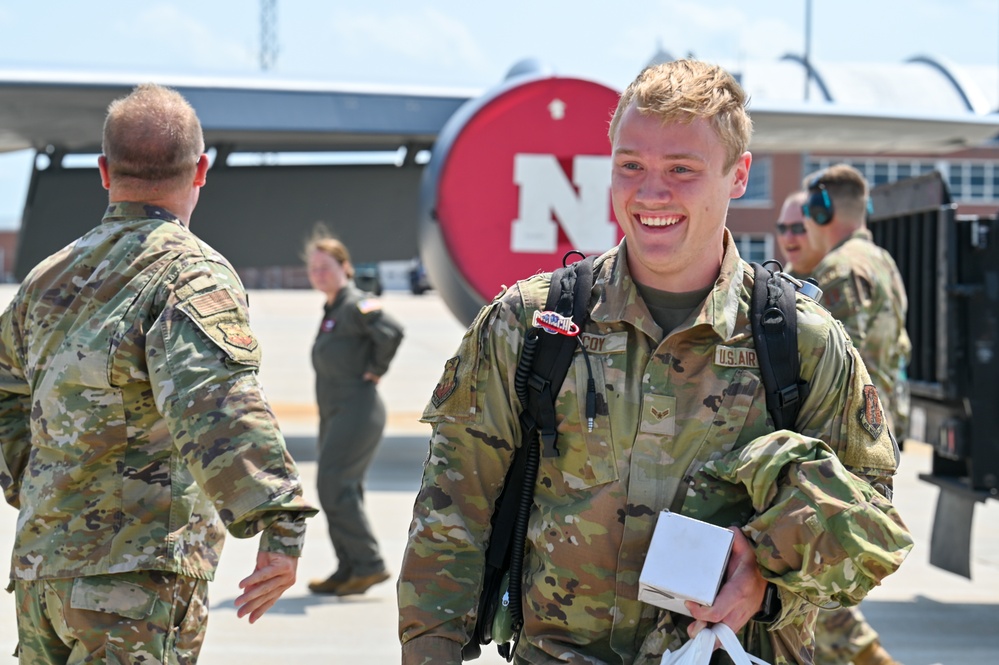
{"points": [[152, 136], [791, 211]]}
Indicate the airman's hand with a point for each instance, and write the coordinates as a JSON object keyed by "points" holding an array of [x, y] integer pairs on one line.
{"points": [[274, 574], [739, 597]]}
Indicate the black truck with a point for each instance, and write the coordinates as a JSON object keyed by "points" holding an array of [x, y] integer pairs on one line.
{"points": [[950, 266]]}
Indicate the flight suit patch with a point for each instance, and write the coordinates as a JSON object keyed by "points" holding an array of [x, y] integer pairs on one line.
{"points": [[238, 335], [870, 416], [213, 303], [369, 305], [449, 381]]}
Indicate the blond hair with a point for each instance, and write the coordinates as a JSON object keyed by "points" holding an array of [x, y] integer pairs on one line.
{"points": [[685, 90], [152, 134]]}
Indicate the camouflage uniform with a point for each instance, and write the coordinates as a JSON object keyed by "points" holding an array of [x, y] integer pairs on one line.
{"points": [[682, 425], [116, 619], [356, 336], [133, 429], [863, 289]]}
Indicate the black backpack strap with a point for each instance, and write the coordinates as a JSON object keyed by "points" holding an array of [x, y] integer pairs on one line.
{"points": [[543, 366], [568, 296], [775, 334]]}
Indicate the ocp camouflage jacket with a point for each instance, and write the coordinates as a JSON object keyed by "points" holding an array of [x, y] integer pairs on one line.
{"points": [[132, 425], [681, 424]]}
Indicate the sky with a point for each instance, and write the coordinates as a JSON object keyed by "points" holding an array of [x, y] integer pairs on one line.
{"points": [[467, 43]]}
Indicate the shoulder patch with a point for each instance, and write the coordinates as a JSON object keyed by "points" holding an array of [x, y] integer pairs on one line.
{"points": [[213, 303], [238, 335], [449, 381], [369, 305], [869, 415], [203, 282]]}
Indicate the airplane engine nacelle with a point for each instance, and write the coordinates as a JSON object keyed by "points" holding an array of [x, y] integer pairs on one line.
{"points": [[518, 178]]}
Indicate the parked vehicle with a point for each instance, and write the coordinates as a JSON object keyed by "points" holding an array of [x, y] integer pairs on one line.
{"points": [[419, 283], [367, 278], [950, 266]]}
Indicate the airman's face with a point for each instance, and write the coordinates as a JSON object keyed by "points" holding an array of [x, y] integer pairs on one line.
{"points": [[670, 191], [793, 239], [326, 274]]}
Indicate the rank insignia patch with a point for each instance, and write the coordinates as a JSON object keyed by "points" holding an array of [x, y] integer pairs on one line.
{"points": [[449, 381], [238, 336], [870, 416]]}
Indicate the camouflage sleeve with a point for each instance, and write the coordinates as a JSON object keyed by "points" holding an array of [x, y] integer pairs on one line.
{"points": [[285, 535], [820, 531], [386, 335], [15, 409], [203, 361], [475, 432], [843, 407], [824, 527]]}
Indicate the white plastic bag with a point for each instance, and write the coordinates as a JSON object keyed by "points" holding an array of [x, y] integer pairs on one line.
{"points": [[698, 650]]}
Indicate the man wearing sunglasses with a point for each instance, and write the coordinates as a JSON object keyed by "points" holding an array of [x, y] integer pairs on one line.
{"points": [[800, 253], [862, 288]]}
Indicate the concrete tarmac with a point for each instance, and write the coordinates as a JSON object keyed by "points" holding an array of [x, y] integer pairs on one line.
{"points": [[925, 616]]}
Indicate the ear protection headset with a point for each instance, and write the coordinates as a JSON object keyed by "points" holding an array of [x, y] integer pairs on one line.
{"points": [[818, 206]]}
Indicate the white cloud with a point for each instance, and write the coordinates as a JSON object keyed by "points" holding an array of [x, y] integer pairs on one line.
{"points": [[425, 37], [176, 39], [716, 31]]}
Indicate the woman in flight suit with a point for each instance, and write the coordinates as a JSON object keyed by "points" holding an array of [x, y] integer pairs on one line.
{"points": [[353, 349]]}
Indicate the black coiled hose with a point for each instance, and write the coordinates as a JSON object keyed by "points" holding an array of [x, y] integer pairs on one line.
{"points": [[526, 498], [523, 374]]}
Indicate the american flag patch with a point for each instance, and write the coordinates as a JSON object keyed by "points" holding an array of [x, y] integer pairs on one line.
{"points": [[213, 303]]}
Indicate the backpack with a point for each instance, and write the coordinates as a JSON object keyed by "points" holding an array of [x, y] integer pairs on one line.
{"points": [[543, 366], [541, 371]]}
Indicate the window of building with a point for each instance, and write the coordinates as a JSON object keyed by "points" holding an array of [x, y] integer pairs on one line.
{"points": [[955, 179], [759, 185], [968, 180], [752, 247], [881, 174], [977, 181]]}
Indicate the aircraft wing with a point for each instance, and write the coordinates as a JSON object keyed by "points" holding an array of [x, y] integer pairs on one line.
{"points": [[38, 109], [66, 110]]}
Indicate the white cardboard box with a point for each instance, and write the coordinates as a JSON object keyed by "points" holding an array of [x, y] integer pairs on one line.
{"points": [[686, 561]]}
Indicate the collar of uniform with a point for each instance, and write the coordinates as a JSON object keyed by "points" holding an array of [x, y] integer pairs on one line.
{"points": [[859, 234], [863, 234], [720, 309], [123, 210], [619, 298], [828, 268]]}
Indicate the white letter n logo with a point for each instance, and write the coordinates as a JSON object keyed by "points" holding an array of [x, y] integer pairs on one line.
{"points": [[544, 190]]}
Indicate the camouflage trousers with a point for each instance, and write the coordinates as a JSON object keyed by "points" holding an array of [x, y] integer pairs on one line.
{"points": [[149, 617], [840, 635]]}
